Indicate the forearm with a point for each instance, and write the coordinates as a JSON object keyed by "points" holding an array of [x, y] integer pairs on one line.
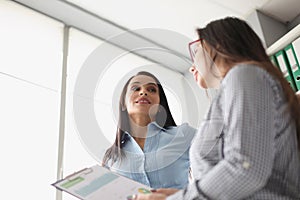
{"points": [[224, 182]]}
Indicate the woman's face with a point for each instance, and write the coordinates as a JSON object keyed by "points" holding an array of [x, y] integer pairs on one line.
{"points": [[204, 70], [142, 97]]}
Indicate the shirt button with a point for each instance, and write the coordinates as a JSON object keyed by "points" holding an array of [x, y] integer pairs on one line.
{"points": [[246, 164]]}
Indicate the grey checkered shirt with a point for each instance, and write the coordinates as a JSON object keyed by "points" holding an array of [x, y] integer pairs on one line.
{"points": [[246, 147]]}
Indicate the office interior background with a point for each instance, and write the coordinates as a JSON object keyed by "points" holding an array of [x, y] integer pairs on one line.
{"points": [[45, 43]]}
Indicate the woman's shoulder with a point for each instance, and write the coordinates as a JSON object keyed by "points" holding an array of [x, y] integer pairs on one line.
{"points": [[184, 129], [186, 125], [247, 71], [181, 134], [248, 74], [251, 77]]}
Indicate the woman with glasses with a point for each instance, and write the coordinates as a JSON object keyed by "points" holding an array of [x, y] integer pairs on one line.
{"points": [[248, 144], [149, 147]]}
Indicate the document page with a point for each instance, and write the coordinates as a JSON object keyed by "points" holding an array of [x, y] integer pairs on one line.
{"points": [[97, 182]]}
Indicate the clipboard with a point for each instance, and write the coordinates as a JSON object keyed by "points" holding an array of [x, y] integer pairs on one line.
{"points": [[97, 182]]}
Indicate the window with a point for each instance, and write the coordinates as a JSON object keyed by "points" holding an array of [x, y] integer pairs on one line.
{"points": [[30, 78]]}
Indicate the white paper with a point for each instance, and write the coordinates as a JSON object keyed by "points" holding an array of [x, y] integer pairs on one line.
{"points": [[97, 182]]}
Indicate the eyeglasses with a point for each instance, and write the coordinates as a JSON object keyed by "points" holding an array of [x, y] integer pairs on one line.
{"points": [[193, 47]]}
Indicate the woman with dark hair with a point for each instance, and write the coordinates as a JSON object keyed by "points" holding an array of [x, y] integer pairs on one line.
{"points": [[248, 144], [149, 147]]}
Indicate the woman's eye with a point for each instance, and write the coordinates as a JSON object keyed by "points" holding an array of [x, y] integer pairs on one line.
{"points": [[135, 88], [153, 90]]}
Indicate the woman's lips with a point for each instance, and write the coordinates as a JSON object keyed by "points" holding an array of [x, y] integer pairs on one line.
{"points": [[143, 101]]}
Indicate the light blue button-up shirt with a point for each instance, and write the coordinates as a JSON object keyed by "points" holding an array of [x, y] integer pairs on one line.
{"points": [[164, 162]]}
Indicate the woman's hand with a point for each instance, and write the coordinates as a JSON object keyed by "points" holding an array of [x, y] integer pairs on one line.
{"points": [[153, 196], [159, 194], [166, 191]]}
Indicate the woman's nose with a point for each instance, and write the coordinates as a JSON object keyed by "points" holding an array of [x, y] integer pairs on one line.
{"points": [[143, 92]]}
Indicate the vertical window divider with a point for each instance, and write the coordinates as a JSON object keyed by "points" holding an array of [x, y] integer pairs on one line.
{"points": [[61, 138]]}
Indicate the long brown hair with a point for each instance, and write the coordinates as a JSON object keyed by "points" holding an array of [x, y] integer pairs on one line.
{"points": [[163, 119], [234, 40]]}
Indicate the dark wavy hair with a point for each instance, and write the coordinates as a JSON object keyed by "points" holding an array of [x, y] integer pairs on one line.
{"points": [[234, 40], [163, 119]]}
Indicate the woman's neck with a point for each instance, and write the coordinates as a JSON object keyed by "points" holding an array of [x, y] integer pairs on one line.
{"points": [[138, 126], [139, 129]]}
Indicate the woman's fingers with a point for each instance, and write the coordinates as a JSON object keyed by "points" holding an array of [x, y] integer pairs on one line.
{"points": [[153, 196], [167, 191]]}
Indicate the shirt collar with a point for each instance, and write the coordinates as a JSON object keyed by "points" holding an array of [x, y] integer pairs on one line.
{"points": [[153, 126]]}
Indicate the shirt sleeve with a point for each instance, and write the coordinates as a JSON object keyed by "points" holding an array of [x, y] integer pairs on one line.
{"points": [[249, 139]]}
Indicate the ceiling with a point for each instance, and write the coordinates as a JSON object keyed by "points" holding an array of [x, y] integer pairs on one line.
{"points": [[107, 19], [184, 15]]}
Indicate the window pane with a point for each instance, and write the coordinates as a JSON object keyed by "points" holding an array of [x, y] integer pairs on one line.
{"points": [[31, 45], [30, 78], [76, 155], [29, 127]]}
